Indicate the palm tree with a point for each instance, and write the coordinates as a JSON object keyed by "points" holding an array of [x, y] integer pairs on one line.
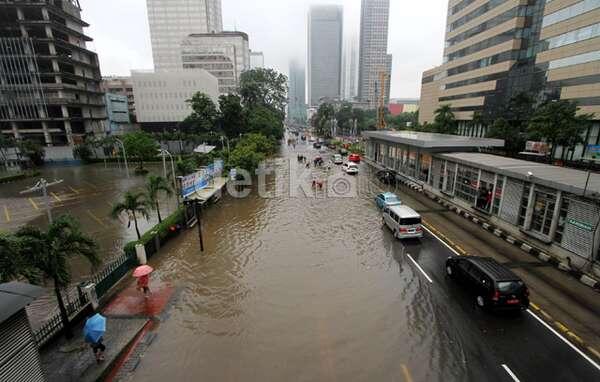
{"points": [[132, 203], [445, 120], [50, 252], [155, 185], [14, 264]]}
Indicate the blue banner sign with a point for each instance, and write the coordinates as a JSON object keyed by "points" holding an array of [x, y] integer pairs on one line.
{"points": [[200, 179]]}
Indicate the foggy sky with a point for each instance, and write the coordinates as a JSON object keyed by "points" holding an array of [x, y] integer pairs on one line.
{"points": [[278, 29]]}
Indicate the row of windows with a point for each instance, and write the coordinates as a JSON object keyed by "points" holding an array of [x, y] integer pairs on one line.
{"points": [[569, 12], [571, 37], [165, 106], [165, 95], [474, 14], [498, 39], [484, 62], [518, 11], [460, 6], [467, 95], [575, 60], [162, 84], [476, 80]]}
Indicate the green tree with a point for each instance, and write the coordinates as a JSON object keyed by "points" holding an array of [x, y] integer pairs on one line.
{"points": [[559, 124], [259, 143], [51, 251], [514, 139], [6, 142], [444, 120], [133, 203], [232, 117], [184, 167], [14, 263], [154, 186], [322, 122], [264, 87], [204, 114], [344, 117], [243, 156], [141, 146], [33, 151], [263, 120]]}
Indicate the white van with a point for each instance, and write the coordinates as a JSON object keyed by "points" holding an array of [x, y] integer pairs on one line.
{"points": [[403, 221]]}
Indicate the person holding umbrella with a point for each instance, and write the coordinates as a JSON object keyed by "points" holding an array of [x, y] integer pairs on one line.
{"points": [[93, 331], [142, 273]]}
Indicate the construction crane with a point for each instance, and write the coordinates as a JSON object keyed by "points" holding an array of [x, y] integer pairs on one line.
{"points": [[381, 125]]}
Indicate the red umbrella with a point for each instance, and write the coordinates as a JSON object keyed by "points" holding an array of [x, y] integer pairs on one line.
{"points": [[142, 270]]}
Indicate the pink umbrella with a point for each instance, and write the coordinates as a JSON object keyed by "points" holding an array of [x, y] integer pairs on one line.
{"points": [[142, 270]]}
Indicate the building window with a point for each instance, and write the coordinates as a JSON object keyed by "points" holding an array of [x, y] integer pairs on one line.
{"points": [[562, 220], [498, 194], [543, 210], [466, 183], [424, 164], [524, 203], [570, 12], [450, 177]]}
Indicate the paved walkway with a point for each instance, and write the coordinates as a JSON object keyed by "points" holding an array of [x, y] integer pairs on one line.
{"points": [[129, 317]]}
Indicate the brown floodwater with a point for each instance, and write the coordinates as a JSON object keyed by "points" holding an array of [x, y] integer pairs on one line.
{"points": [[296, 288]]}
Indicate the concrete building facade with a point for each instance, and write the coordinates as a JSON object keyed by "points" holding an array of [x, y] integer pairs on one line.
{"points": [[296, 92], [373, 57], [495, 50], [49, 80], [160, 97], [325, 40], [350, 70], [122, 86], [173, 20], [117, 112], [225, 55]]}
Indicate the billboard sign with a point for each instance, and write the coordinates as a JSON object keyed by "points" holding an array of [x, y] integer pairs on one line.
{"points": [[537, 147], [593, 152], [200, 179]]}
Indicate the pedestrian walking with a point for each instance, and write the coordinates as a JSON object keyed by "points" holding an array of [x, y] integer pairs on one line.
{"points": [[142, 273], [93, 332]]}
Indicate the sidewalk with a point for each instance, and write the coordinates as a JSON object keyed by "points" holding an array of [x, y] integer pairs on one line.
{"points": [[128, 315]]}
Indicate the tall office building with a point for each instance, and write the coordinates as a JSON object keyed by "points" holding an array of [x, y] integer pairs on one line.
{"points": [[257, 60], [173, 20], [350, 70], [373, 59], [325, 31], [296, 93], [49, 80], [225, 55], [497, 50]]}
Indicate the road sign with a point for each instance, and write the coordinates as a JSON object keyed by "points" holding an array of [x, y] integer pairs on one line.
{"points": [[593, 152]]}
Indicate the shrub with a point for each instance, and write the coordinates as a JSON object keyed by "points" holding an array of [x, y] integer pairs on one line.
{"points": [[161, 229]]}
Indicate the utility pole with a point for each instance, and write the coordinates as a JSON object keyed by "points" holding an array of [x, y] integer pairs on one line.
{"points": [[198, 208], [43, 185], [120, 142]]}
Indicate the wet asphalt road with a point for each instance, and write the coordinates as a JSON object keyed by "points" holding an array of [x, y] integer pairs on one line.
{"points": [[316, 289]]}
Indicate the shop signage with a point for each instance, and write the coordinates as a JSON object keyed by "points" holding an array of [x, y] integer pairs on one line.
{"points": [[581, 225]]}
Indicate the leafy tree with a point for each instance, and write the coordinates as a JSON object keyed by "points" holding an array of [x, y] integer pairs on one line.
{"points": [[264, 87], [132, 203], [514, 139], [51, 251], [14, 263], [520, 108], [263, 120], [243, 156], [204, 113], [83, 152], [232, 117], [184, 167], [154, 186], [33, 151], [324, 116], [6, 142], [558, 123], [259, 143], [141, 146], [444, 120], [344, 117]]}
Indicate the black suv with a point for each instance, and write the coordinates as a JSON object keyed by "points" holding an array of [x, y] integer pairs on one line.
{"points": [[494, 285]]}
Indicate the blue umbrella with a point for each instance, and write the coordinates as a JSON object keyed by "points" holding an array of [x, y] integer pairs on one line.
{"points": [[94, 328]]}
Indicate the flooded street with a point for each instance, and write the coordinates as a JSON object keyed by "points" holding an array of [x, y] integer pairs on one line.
{"points": [[297, 289]]}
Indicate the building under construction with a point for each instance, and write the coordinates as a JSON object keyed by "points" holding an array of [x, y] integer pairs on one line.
{"points": [[49, 81]]}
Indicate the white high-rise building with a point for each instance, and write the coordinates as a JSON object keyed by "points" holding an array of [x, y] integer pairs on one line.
{"points": [[374, 59], [173, 20], [257, 60], [350, 70]]}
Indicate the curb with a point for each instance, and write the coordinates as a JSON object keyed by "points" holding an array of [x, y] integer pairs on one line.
{"points": [[583, 278]]}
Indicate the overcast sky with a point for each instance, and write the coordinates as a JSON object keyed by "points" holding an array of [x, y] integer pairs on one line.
{"points": [[278, 29]]}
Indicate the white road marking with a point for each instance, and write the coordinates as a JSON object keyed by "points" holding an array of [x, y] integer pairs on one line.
{"points": [[419, 267], [585, 356], [441, 241], [509, 371]]}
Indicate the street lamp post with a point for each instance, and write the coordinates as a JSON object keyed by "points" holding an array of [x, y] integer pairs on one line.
{"points": [[164, 153], [120, 142], [227, 139], [43, 185]]}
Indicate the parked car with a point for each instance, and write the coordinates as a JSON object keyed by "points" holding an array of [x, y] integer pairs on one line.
{"points": [[317, 145], [350, 168], [403, 221], [337, 159], [387, 199], [494, 285], [354, 158]]}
